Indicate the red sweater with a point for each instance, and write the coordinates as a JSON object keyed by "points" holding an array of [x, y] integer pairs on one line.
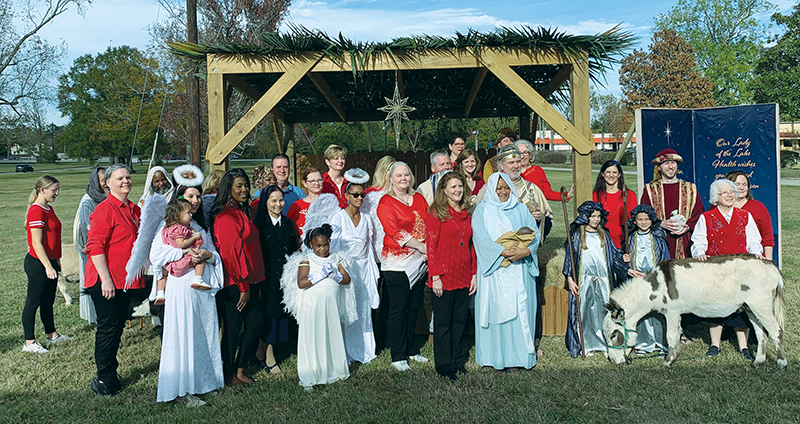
{"points": [[44, 217], [763, 221], [617, 216], [238, 244], [451, 254], [113, 227], [400, 224], [535, 174], [328, 186], [297, 213]]}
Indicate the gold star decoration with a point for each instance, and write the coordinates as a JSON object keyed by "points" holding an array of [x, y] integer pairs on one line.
{"points": [[397, 109]]}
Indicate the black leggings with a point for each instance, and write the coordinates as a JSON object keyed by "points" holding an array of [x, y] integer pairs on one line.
{"points": [[232, 320], [41, 296]]}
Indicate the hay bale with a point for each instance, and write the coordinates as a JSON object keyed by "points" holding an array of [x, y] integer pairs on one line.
{"points": [[550, 265]]}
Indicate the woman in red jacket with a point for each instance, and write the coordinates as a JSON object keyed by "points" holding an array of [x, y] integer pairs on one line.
{"points": [[42, 263], [402, 213], [452, 269], [113, 227], [238, 245]]}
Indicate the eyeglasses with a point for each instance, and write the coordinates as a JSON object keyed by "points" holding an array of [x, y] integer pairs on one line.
{"points": [[525, 153], [314, 181], [357, 195], [55, 190], [727, 193]]}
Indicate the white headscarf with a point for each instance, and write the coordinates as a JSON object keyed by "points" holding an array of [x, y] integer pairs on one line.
{"points": [[148, 185]]}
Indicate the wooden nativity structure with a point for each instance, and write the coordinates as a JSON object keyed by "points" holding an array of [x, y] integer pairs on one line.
{"points": [[305, 76]]}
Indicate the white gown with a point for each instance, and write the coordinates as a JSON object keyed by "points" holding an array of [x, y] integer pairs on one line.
{"points": [[356, 243], [191, 361], [321, 356]]}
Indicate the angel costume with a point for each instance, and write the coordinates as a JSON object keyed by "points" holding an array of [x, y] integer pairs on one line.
{"points": [[321, 355], [505, 303], [356, 242], [191, 362]]}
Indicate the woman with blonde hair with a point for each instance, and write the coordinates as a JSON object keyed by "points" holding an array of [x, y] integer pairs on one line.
{"points": [[42, 263], [381, 173]]}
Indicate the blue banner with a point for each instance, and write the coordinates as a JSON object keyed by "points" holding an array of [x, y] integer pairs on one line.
{"points": [[714, 142]]}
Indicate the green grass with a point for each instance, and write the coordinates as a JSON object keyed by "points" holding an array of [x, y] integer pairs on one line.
{"points": [[54, 387]]}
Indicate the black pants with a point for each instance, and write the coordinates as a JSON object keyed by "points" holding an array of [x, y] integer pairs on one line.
{"points": [[548, 225], [111, 316], [234, 340], [404, 303], [41, 296], [449, 319], [380, 317]]}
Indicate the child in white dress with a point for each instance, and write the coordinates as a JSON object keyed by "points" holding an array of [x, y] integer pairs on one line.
{"points": [[321, 355]]}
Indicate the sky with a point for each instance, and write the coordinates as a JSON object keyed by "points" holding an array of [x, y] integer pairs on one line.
{"points": [[108, 23]]}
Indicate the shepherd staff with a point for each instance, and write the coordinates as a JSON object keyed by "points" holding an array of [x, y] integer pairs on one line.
{"points": [[717, 287]]}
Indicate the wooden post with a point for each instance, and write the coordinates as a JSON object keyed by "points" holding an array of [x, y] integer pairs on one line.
{"points": [[581, 162], [217, 122], [525, 126], [194, 86]]}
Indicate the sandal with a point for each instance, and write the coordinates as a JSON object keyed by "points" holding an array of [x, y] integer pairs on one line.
{"points": [[268, 368]]}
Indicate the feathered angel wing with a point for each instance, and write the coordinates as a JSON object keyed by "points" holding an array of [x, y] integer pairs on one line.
{"points": [[370, 207], [321, 212], [292, 293], [153, 212]]}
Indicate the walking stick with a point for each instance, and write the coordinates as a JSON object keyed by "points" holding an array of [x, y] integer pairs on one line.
{"points": [[572, 261], [625, 215]]}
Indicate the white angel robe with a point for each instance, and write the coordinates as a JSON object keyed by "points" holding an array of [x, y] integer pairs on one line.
{"points": [[356, 243]]}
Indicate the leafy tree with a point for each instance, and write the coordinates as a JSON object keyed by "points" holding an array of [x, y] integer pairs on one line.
{"points": [[664, 76], [778, 69], [726, 36], [609, 115], [106, 97], [27, 62]]}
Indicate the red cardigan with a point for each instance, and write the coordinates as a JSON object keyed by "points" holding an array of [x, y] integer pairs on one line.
{"points": [[238, 244], [112, 230], [328, 186], [451, 254], [763, 221]]}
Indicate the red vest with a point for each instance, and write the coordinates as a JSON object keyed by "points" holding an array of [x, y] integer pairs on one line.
{"points": [[726, 238]]}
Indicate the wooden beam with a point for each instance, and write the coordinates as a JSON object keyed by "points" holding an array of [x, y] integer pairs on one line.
{"points": [[473, 92], [398, 75], [261, 108], [383, 61], [581, 160], [558, 79], [217, 124], [535, 101], [325, 89]]}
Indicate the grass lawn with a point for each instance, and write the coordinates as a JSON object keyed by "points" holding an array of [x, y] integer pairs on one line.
{"points": [[55, 387]]}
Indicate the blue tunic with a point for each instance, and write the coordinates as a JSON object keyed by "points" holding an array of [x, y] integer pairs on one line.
{"points": [[505, 304]]}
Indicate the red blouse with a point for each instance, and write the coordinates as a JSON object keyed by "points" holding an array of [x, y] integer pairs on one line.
{"points": [[763, 221], [479, 183], [451, 254], [238, 244], [401, 223], [617, 216], [297, 213], [535, 174], [329, 186], [44, 217], [113, 227]]}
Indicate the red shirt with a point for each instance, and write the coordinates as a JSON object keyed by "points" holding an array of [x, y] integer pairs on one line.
{"points": [[238, 244], [617, 216], [535, 174], [763, 221], [329, 186], [401, 223], [44, 217], [113, 227], [478, 186], [297, 213], [451, 254]]}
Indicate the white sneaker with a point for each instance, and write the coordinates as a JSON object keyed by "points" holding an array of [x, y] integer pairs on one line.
{"points": [[34, 347], [418, 358], [58, 339], [401, 365]]}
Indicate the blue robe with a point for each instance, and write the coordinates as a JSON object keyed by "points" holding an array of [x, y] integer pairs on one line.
{"points": [[647, 251], [616, 273], [505, 308]]}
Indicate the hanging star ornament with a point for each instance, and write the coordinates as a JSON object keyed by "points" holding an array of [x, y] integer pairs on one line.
{"points": [[668, 132], [397, 111]]}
